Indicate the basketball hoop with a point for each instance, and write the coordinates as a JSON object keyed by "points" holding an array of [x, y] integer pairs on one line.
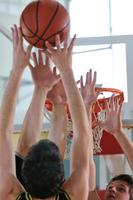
{"points": [[98, 114]]}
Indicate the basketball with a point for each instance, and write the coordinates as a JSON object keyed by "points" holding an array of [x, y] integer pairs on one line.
{"points": [[42, 20]]}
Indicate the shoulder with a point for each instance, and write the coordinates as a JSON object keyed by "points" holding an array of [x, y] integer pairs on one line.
{"points": [[9, 185], [76, 185]]}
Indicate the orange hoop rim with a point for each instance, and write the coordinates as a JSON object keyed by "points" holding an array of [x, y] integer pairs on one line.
{"points": [[101, 101]]}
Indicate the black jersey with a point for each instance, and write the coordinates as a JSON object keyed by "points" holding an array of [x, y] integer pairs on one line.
{"points": [[61, 196]]}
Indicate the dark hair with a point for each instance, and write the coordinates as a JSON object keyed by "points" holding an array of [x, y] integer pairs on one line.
{"points": [[128, 179], [43, 170]]}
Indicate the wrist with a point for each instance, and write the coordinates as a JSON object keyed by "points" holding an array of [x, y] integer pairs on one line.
{"points": [[119, 134], [66, 70], [88, 105], [57, 104], [41, 90], [16, 72]]}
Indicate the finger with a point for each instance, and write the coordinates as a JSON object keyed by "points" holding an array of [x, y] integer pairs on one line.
{"points": [[66, 42], [14, 37], [72, 43], [116, 104], [49, 46], [94, 78], [120, 108], [81, 82], [107, 107], [16, 32], [57, 41], [112, 103], [88, 77], [34, 58], [20, 38], [47, 60], [121, 99], [29, 49], [48, 54], [54, 71], [40, 59]]}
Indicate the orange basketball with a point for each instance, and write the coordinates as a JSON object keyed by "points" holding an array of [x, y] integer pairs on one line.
{"points": [[41, 20]]}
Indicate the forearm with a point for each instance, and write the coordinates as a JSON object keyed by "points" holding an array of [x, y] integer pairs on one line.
{"points": [[81, 127], [127, 146], [75, 101], [57, 132], [9, 101], [32, 124], [92, 178], [92, 168], [6, 119]]}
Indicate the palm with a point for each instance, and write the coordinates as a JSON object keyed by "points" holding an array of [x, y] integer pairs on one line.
{"points": [[88, 90], [62, 57], [42, 74], [88, 93], [112, 123], [23, 57], [57, 94], [20, 56]]}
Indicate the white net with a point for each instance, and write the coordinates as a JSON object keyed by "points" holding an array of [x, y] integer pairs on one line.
{"points": [[97, 131], [98, 114]]}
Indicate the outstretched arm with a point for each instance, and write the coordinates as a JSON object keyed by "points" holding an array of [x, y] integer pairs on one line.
{"points": [[57, 132], [113, 125], [89, 96], [78, 181], [8, 182], [44, 80], [20, 61]]}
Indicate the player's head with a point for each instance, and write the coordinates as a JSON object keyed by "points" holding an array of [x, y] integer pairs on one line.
{"points": [[120, 188], [43, 170]]}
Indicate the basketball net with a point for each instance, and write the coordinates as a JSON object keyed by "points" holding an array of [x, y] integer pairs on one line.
{"points": [[98, 114], [97, 132]]}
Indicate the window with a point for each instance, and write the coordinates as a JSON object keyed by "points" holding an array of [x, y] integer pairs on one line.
{"points": [[98, 20]]}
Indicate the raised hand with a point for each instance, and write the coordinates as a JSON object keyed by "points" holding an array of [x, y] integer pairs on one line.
{"points": [[57, 94], [112, 123], [42, 74], [62, 57], [88, 92], [20, 56]]}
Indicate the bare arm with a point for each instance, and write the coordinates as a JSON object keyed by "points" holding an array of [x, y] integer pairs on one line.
{"points": [[57, 132], [80, 156], [113, 125], [89, 96], [8, 182], [20, 61], [127, 146], [32, 124], [44, 80]]}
